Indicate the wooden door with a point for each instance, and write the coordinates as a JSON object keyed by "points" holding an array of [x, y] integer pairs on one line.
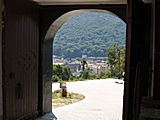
{"points": [[20, 61]]}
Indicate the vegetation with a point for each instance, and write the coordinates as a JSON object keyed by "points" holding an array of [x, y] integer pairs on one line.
{"points": [[87, 74], [116, 60], [61, 73], [59, 101], [94, 34], [90, 34]]}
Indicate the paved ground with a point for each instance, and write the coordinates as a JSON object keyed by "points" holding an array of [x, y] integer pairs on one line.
{"points": [[104, 101]]}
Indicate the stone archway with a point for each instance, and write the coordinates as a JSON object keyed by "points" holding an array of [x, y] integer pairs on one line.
{"points": [[45, 105]]}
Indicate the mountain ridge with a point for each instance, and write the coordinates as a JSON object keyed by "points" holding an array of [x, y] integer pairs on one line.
{"points": [[90, 33]]}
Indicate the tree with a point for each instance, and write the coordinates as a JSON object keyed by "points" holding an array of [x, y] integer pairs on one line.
{"points": [[87, 74], [84, 64], [58, 70], [116, 58], [112, 57], [61, 73], [66, 73]]}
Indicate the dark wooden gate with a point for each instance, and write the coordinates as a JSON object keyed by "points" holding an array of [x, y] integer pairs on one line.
{"points": [[137, 58], [20, 60], [157, 51]]}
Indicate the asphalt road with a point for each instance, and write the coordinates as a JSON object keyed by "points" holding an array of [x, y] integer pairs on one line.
{"points": [[103, 101]]}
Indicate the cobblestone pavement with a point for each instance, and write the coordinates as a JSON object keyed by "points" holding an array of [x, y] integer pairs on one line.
{"points": [[103, 101]]}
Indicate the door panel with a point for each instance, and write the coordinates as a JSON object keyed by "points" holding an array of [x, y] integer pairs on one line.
{"points": [[20, 62]]}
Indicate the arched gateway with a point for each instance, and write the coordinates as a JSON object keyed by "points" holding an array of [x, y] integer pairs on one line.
{"points": [[56, 17], [26, 40]]}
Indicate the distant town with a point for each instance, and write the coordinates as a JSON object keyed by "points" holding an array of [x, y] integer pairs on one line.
{"points": [[96, 64]]}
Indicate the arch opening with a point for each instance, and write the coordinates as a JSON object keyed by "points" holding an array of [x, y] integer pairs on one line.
{"points": [[55, 26]]}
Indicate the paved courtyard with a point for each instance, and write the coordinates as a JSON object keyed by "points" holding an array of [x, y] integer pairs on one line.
{"points": [[103, 101]]}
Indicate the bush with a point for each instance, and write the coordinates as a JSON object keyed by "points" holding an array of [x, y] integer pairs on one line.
{"points": [[85, 74], [61, 72], [55, 78], [81, 79]]}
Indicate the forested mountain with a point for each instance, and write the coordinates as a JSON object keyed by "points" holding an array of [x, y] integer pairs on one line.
{"points": [[90, 33]]}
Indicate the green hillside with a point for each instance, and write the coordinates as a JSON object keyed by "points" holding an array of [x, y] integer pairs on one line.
{"points": [[90, 33]]}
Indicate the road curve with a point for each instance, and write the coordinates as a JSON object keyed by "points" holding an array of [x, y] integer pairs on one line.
{"points": [[103, 101]]}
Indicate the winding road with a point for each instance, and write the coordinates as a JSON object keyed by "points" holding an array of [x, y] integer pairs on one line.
{"points": [[103, 100]]}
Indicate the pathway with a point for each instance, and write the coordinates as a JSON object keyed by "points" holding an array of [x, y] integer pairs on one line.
{"points": [[104, 101]]}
